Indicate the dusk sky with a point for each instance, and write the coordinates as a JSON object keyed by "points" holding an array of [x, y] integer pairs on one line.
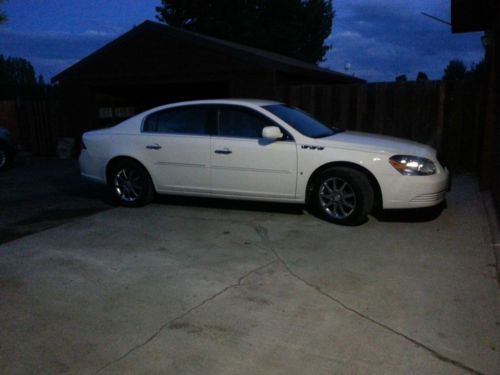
{"points": [[380, 39]]}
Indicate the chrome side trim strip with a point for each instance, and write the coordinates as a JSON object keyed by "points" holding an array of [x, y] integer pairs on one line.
{"points": [[277, 171], [181, 164]]}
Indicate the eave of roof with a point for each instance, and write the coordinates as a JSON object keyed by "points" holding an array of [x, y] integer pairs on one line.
{"points": [[474, 15], [258, 56]]}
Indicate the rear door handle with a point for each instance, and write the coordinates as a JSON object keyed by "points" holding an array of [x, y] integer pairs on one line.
{"points": [[224, 151], [155, 146]]}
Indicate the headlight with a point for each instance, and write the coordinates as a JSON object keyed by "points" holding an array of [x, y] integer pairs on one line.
{"points": [[412, 165]]}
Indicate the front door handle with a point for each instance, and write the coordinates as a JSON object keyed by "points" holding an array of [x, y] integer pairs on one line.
{"points": [[224, 151], [155, 146]]}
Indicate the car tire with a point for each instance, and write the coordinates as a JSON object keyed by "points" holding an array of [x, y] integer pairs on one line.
{"points": [[131, 184], [5, 157], [342, 196]]}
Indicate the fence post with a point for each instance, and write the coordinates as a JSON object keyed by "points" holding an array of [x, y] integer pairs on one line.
{"points": [[361, 104], [440, 115]]}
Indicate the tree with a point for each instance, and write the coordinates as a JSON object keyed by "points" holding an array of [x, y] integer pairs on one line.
{"points": [[477, 71], [296, 28], [16, 71], [422, 77], [41, 80], [456, 70], [3, 17], [401, 78]]}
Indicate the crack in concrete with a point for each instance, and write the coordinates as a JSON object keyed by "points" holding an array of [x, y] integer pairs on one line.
{"points": [[184, 314], [264, 235]]}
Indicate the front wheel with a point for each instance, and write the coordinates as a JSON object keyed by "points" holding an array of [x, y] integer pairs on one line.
{"points": [[131, 184], [342, 196]]}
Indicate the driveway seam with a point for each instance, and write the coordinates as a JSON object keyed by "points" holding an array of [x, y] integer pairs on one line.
{"points": [[264, 235], [184, 314]]}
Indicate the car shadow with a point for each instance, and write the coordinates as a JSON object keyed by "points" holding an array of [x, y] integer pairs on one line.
{"points": [[414, 215], [85, 189], [100, 192], [231, 204]]}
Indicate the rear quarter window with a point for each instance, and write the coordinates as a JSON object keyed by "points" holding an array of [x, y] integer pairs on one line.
{"points": [[182, 120]]}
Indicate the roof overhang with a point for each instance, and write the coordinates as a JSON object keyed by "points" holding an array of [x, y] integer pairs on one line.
{"points": [[473, 15], [258, 57]]}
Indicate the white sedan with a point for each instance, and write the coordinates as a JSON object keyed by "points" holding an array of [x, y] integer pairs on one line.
{"points": [[261, 150]]}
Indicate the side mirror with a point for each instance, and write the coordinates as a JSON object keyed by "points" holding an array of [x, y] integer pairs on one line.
{"points": [[272, 132]]}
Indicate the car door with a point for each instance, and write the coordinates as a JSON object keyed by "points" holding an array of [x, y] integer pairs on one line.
{"points": [[177, 149], [245, 164]]}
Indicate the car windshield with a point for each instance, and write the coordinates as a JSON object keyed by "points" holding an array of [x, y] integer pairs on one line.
{"points": [[301, 121]]}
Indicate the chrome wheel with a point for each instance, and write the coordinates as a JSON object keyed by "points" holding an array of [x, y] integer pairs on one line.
{"points": [[337, 198], [128, 184]]}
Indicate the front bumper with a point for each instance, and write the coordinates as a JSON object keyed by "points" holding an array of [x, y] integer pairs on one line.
{"points": [[402, 192]]}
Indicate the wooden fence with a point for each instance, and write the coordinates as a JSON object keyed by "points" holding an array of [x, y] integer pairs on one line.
{"points": [[446, 116], [33, 123]]}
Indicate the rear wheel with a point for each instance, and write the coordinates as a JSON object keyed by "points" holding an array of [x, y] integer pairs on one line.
{"points": [[131, 184], [342, 196]]}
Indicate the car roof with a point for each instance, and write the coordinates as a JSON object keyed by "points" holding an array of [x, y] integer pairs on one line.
{"points": [[244, 102], [130, 123]]}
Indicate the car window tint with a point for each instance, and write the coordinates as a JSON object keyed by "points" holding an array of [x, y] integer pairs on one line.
{"points": [[193, 120], [150, 123], [301, 121], [240, 123]]}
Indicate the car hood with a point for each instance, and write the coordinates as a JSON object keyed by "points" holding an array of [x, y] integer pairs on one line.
{"points": [[375, 143]]}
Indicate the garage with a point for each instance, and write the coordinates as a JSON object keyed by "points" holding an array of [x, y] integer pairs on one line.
{"points": [[155, 64]]}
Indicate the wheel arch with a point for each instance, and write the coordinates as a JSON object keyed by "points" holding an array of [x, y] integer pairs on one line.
{"points": [[377, 191], [122, 158]]}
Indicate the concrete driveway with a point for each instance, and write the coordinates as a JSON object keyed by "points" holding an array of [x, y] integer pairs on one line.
{"points": [[41, 193], [206, 289]]}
